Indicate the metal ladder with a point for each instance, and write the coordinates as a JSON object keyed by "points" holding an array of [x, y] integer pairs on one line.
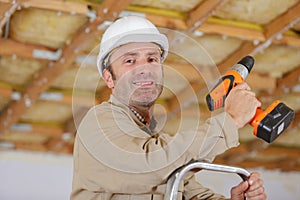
{"points": [[177, 175]]}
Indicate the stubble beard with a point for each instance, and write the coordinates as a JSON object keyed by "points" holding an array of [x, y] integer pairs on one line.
{"points": [[145, 97]]}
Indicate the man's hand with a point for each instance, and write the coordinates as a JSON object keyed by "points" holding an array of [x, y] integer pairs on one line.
{"points": [[241, 104], [252, 189]]}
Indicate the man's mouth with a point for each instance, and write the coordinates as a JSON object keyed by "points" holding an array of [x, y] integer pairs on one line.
{"points": [[143, 83]]}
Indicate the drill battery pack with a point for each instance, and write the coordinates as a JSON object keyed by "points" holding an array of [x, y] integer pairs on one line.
{"points": [[274, 122]]}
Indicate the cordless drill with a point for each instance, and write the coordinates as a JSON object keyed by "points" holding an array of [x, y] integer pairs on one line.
{"points": [[268, 124]]}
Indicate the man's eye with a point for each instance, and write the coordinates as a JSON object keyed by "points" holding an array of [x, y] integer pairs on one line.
{"points": [[153, 60], [129, 61]]}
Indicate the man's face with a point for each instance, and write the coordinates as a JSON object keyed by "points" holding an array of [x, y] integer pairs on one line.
{"points": [[138, 73]]}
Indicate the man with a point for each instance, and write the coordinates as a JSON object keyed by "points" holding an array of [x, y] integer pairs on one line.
{"points": [[121, 153]]}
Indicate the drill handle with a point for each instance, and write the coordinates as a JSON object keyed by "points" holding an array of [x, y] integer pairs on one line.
{"points": [[216, 98]]}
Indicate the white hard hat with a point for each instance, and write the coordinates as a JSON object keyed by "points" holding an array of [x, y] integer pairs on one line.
{"points": [[127, 30]]}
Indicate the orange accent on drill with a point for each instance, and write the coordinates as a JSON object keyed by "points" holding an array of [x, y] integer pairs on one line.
{"points": [[268, 124]]}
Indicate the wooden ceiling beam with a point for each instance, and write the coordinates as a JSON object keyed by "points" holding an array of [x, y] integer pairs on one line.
{"points": [[51, 131], [248, 47], [6, 15], [269, 157], [232, 31], [190, 72], [289, 40], [183, 98], [161, 18], [81, 100], [108, 10], [247, 31], [282, 23], [6, 92], [272, 30], [245, 49], [288, 81], [212, 25], [167, 22], [10, 47], [56, 5], [202, 12]]}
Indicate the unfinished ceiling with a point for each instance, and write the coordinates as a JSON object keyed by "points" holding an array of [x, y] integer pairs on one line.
{"points": [[48, 52]]}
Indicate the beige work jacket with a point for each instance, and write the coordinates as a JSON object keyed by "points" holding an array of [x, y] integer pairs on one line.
{"points": [[118, 157]]}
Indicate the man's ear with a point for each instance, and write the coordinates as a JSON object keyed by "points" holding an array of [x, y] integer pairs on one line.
{"points": [[107, 76]]}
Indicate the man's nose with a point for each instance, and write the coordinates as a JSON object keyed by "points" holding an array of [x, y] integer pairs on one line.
{"points": [[144, 67]]}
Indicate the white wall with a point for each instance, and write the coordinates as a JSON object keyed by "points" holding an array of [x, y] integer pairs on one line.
{"points": [[36, 176]]}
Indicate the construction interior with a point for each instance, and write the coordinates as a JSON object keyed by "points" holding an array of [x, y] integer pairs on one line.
{"points": [[49, 78]]}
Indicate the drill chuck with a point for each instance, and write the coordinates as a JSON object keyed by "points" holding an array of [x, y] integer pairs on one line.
{"points": [[248, 62]]}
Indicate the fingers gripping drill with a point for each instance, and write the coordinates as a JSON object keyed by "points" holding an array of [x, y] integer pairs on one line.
{"points": [[268, 124]]}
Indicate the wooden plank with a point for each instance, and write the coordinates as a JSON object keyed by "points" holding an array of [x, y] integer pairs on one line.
{"points": [[245, 49], [288, 81], [8, 13], [202, 12], [6, 92], [261, 82], [56, 5], [3, 8], [184, 97], [288, 40], [283, 22], [30, 146], [167, 22], [245, 31], [51, 131], [232, 31], [108, 11], [81, 100], [185, 69], [240, 30], [10, 47], [269, 157]]}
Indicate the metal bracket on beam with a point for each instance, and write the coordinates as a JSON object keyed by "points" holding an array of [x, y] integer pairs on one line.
{"points": [[21, 127], [104, 25], [91, 14], [55, 96], [49, 55], [130, 13]]}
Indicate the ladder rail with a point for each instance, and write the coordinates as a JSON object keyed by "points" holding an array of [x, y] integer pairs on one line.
{"points": [[176, 177]]}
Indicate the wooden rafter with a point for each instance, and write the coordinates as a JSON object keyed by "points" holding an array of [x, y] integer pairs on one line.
{"points": [[10, 47], [241, 30], [6, 92], [7, 15], [248, 47], [62, 6], [60, 97], [52, 131], [245, 31], [163, 21], [181, 99], [283, 22], [202, 12], [288, 81], [242, 156], [272, 30], [108, 10]]}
